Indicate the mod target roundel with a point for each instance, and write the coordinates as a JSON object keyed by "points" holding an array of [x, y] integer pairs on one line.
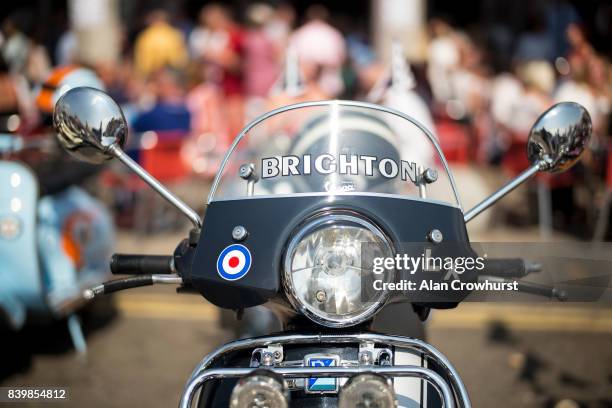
{"points": [[234, 262]]}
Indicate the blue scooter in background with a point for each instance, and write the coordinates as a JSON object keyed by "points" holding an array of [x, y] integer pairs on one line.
{"points": [[51, 247]]}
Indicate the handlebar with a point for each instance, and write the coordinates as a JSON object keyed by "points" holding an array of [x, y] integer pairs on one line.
{"points": [[129, 283], [127, 264], [147, 270], [505, 269]]}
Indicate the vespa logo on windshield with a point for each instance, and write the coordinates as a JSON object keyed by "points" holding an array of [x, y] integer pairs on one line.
{"points": [[344, 164]]}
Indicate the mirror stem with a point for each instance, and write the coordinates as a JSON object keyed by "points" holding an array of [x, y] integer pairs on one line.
{"points": [[493, 198], [157, 186]]}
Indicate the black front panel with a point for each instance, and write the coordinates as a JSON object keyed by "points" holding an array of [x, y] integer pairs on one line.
{"points": [[270, 221]]}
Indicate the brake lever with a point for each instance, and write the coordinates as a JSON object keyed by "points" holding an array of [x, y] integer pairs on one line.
{"points": [[129, 283]]}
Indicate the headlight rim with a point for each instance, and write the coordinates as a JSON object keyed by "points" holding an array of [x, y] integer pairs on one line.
{"points": [[311, 223]]}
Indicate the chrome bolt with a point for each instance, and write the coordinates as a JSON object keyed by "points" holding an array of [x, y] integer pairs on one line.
{"points": [[239, 233], [246, 170], [435, 236], [430, 175], [267, 359], [365, 357], [321, 296], [277, 355]]}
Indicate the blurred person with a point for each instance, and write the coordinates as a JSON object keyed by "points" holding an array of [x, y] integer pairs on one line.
{"points": [[209, 124], [280, 26], [116, 79], [535, 43], [219, 41], [297, 83], [560, 15], [205, 104], [579, 47], [261, 59], [15, 99], [169, 111], [586, 82], [38, 63], [66, 48], [159, 45], [537, 82], [16, 46], [307, 88], [470, 80], [505, 99], [442, 60], [396, 89], [321, 50], [9, 102]]}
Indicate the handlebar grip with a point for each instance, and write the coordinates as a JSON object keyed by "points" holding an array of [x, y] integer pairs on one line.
{"points": [[509, 267], [123, 264]]}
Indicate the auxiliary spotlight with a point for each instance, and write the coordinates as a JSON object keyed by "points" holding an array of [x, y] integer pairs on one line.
{"points": [[260, 389], [367, 390]]}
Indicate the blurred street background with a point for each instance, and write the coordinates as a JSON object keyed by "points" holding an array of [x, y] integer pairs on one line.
{"points": [[189, 74]]}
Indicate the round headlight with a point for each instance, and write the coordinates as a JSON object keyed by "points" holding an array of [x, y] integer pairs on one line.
{"points": [[328, 272]]}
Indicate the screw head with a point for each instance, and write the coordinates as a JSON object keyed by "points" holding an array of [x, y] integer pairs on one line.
{"points": [[239, 233], [430, 175], [267, 359], [245, 171], [365, 357], [435, 236], [320, 295]]}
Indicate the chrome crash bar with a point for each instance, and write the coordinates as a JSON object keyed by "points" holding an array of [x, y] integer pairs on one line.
{"points": [[455, 392]]}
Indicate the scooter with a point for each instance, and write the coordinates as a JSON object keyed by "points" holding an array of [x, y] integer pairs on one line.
{"points": [[313, 235], [52, 247]]}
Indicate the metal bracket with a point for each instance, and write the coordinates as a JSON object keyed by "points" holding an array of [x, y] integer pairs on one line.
{"points": [[267, 356], [248, 173], [370, 355]]}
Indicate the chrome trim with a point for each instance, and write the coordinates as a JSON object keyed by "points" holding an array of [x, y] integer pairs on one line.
{"points": [[429, 351], [173, 199], [499, 194], [332, 218], [397, 371], [353, 104], [172, 279]]}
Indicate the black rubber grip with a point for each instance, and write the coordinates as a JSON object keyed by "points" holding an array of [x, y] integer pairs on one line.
{"points": [[542, 290], [122, 264], [127, 283], [505, 268]]}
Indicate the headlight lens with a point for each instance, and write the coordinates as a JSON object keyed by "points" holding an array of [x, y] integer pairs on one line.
{"points": [[328, 270]]}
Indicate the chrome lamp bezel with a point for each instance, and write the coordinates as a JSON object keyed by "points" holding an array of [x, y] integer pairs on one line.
{"points": [[313, 222]]}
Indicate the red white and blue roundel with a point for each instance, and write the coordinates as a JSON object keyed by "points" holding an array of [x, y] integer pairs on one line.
{"points": [[234, 262]]}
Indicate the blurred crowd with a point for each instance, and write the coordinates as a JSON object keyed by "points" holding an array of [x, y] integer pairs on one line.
{"points": [[211, 74]]}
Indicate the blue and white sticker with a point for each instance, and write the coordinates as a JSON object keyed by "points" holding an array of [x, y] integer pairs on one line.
{"points": [[234, 262], [322, 385]]}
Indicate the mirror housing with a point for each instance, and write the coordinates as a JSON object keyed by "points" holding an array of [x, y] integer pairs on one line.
{"points": [[559, 136], [556, 142], [89, 124], [91, 127]]}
